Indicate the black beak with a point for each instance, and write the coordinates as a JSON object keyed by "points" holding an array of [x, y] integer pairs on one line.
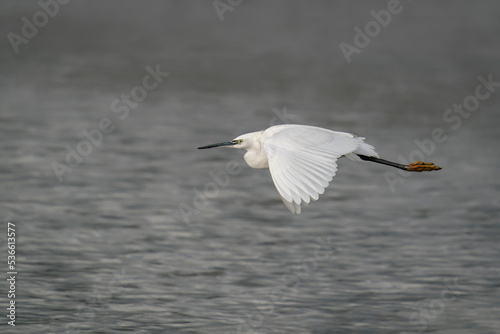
{"points": [[226, 143]]}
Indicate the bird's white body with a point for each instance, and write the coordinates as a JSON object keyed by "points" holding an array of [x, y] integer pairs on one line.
{"points": [[301, 158], [254, 142]]}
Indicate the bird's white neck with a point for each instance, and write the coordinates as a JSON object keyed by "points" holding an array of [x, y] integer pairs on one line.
{"points": [[256, 159]]}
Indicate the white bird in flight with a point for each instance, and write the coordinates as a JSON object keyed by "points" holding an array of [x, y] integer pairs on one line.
{"points": [[302, 159]]}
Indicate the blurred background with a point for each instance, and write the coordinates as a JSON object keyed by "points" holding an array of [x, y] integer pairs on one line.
{"points": [[132, 234]]}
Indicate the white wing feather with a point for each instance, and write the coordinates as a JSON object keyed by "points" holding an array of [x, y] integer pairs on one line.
{"points": [[303, 160]]}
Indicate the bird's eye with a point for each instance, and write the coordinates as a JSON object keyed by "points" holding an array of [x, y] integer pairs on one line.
{"points": [[240, 141]]}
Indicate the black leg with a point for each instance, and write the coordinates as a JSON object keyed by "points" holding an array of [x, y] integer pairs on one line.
{"points": [[418, 166]]}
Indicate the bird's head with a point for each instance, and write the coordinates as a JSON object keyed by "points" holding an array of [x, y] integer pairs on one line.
{"points": [[246, 141]]}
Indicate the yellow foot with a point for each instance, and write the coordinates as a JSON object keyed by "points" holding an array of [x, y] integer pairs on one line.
{"points": [[420, 166]]}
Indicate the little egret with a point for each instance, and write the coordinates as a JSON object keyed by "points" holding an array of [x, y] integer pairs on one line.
{"points": [[302, 159]]}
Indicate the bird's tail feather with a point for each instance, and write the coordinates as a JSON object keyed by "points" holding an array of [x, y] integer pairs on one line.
{"points": [[363, 149]]}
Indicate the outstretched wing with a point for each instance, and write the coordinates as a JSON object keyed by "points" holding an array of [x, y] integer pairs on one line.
{"points": [[303, 161]]}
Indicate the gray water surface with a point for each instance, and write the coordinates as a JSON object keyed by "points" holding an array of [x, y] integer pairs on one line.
{"points": [[125, 243]]}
